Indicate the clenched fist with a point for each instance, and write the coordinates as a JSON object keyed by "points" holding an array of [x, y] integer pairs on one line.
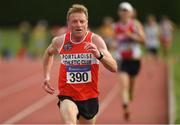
{"points": [[90, 47]]}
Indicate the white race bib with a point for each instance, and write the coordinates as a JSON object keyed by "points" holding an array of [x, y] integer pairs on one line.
{"points": [[78, 74]]}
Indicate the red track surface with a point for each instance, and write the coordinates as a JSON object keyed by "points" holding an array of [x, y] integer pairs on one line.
{"points": [[22, 99]]}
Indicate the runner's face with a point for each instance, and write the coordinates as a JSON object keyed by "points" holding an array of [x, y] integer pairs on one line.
{"points": [[125, 15], [78, 24]]}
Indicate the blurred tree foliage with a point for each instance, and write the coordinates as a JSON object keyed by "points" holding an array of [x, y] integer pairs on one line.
{"points": [[12, 12]]}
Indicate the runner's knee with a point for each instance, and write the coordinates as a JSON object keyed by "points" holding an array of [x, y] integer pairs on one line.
{"points": [[124, 79], [69, 112]]}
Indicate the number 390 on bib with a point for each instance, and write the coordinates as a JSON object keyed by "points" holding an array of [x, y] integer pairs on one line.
{"points": [[78, 74]]}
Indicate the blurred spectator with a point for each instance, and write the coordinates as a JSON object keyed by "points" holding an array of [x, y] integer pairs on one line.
{"points": [[40, 35], [5, 51], [152, 42], [57, 30], [25, 38], [107, 32], [166, 34]]}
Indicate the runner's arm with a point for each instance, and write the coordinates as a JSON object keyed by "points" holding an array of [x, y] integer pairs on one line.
{"points": [[107, 59], [139, 35], [52, 49], [48, 58]]}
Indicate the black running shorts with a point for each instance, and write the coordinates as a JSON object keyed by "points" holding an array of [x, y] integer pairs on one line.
{"points": [[87, 108], [153, 50], [131, 67]]}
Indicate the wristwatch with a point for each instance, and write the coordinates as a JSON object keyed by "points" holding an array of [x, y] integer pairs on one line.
{"points": [[101, 55]]}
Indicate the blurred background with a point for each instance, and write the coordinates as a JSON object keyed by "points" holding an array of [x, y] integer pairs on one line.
{"points": [[27, 28], [26, 22]]}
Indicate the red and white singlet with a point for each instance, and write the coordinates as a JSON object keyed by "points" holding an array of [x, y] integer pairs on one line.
{"points": [[127, 48], [78, 74]]}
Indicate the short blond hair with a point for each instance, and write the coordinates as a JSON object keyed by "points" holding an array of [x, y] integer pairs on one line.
{"points": [[77, 8]]}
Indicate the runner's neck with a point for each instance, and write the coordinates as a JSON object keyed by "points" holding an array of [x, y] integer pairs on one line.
{"points": [[78, 39], [125, 22]]}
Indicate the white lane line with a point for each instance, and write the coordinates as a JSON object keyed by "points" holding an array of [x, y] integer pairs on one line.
{"points": [[30, 109], [171, 97], [49, 98], [20, 85], [108, 99]]}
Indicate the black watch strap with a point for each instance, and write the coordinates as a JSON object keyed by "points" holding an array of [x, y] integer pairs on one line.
{"points": [[101, 56]]}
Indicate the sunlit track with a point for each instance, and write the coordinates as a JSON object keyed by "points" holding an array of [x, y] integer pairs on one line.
{"points": [[14, 71], [109, 98], [150, 98], [150, 103], [24, 83], [27, 111]]}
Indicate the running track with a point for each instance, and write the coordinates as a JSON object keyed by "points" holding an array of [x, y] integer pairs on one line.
{"points": [[22, 99]]}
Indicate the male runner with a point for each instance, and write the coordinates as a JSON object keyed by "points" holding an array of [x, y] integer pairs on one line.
{"points": [[166, 34], [129, 36], [152, 42], [80, 51]]}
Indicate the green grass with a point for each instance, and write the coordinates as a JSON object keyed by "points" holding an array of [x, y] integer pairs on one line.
{"points": [[10, 39], [175, 51], [177, 89]]}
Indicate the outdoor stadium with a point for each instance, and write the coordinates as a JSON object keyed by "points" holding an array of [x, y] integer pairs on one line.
{"points": [[29, 28]]}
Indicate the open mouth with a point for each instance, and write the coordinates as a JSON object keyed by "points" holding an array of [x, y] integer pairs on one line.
{"points": [[78, 30]]}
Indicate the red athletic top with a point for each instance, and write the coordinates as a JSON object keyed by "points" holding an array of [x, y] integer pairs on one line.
{"points": [[127, 48], [121, 29], [78, 74]]}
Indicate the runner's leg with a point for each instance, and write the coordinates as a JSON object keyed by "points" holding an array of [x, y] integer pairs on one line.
{"points": [[124, 82], [69, 111], [131, 88], [82, 120]]}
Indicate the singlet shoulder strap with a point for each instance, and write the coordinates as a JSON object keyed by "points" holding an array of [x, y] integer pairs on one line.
{"points": [[67, 37], [65, 40], [88, 37]]}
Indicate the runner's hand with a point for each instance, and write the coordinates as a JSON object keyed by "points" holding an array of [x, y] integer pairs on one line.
{"points": [[92, 48], [47, 87], [128, 34]]}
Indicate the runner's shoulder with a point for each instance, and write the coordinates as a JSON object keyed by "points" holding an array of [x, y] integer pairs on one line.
{"points": [[138, 23], [58, 40], [96, 37], [98, 41]]}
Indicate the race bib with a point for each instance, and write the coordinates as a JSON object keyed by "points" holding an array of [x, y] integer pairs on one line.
{"points": [[126, 52], [78, 74]]}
